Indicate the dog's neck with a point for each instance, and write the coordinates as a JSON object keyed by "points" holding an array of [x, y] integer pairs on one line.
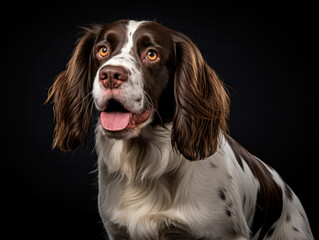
{"points": [[144, 158]]}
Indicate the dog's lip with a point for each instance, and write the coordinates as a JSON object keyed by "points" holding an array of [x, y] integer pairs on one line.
{"points": [[141, 118]]}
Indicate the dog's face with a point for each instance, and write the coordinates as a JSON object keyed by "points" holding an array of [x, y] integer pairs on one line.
{"points": [[135, 62], [139, 74]]}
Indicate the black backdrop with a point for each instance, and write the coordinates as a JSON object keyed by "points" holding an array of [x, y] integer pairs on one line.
{"points": [[264, 53]]}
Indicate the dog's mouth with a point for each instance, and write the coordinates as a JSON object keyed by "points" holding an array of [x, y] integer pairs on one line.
{"points": [[117, 118]]}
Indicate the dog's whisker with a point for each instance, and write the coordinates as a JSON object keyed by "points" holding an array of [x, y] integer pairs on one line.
{"points": [[149, 101]]}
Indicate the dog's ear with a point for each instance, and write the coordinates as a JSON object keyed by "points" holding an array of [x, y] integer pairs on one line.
{"points": [[71, 94], [202, 104]]}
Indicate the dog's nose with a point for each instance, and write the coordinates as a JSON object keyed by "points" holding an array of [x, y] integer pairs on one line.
{"points": [[112, 76]]}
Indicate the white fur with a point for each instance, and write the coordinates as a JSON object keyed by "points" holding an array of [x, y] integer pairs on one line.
{"points": [[142, 199]]}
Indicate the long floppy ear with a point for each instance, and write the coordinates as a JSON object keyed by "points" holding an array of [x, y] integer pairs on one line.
{"points": [[71, 95], [202, 104]]}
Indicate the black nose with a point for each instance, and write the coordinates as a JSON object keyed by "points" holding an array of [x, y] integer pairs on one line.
{"points": [[112, 76]]}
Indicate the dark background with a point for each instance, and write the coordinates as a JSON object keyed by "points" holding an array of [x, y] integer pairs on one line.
{"points": [[265, 54]]}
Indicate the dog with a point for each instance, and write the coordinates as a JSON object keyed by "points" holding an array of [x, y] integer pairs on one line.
{"points": [[167, 168]]}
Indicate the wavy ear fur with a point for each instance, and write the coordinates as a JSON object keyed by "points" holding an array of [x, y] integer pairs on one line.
{"points": [[71, 95], [202, 104]]}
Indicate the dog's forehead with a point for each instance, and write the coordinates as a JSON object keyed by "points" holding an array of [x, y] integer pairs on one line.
{"points": [[117, 28], [131, 31], [152, 32], [123, 29]]}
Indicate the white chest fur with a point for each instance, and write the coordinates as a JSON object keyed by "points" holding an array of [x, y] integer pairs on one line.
{"points": [[148, 189]]}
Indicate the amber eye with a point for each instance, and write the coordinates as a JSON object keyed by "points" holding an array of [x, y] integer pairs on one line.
{"points": [[151, 55], [103, 51]]}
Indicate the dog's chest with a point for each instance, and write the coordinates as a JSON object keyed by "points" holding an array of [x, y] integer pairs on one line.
{"points": [[145, 209]]}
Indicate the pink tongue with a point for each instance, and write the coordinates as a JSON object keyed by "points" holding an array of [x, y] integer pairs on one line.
{"points": [[115, 121]]}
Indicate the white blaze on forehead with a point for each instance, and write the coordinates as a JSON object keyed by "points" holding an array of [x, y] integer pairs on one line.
{"points": [[131, 29], [125, 57]]}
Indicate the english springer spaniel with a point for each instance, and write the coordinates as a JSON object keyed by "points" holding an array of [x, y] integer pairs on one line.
{"points": [[167, 167]]}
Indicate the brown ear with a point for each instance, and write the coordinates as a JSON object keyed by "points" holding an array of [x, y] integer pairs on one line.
{"points": [[202, 104], [71, 94]]}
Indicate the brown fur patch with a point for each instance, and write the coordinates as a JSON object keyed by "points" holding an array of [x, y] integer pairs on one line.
{"points": [[71, 95], [202, 104]]}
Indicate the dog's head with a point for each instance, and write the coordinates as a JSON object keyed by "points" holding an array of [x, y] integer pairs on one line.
{"points": [[139, 74]]}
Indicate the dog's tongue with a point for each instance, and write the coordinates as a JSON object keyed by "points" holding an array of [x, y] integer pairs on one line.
{"points": [[115, 121]]}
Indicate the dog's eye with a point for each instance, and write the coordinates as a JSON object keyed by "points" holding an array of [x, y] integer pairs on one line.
{"points": [[103, 51], [151, 55]]}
